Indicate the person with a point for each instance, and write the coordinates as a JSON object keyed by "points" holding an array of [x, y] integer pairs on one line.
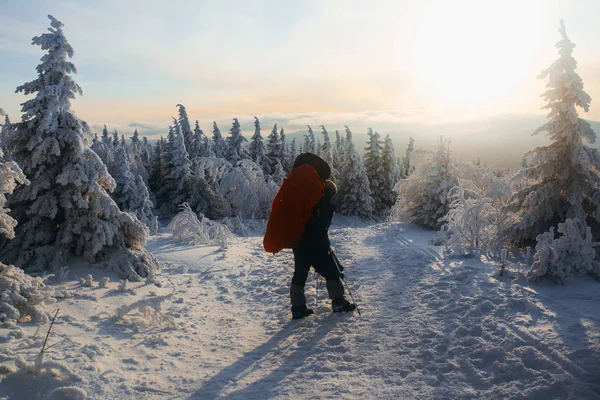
{"points": [[314, 249]]}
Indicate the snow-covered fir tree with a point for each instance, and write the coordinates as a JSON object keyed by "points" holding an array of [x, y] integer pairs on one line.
{"points": [[106, 138], [354, 196], [131, 193], [374, 167], [256, 149], [178, 171], [3, 133], [390, 174], [115, 141], [326, 150], [186, 129], [563, 176], [423, 195], [408, 158], [202, 147], [282, 149], [146, 153], [135, 156], [157, 167], [274, 146], [291, 155], [66, 209], [219, 143], [235, 140], [338, 151], [310, 144]]}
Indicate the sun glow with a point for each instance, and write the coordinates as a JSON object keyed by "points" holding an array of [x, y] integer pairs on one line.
{"points": [[470, 56]]}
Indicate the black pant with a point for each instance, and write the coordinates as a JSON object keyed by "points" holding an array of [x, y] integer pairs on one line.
{"points": [[319, 257]]}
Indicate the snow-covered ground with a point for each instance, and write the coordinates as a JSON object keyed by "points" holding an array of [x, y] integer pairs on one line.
{"points": [[430, 328]]}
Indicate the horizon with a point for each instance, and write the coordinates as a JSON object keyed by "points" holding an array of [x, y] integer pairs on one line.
{"points": [[466, 71]]}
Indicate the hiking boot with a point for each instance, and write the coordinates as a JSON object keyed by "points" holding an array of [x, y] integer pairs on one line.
{"points": [[299, 312], [342, 305]]}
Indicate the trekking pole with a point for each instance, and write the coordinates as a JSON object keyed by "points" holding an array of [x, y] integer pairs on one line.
{"points": [[337, 265]]}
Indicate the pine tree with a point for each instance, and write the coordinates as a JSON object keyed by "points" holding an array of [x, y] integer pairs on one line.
{"points": [[355, 194], [256, 149], [186, 129], [564, 175], [375, 170], [219, 144], [66, 210], [235, 152], [274, 147]]}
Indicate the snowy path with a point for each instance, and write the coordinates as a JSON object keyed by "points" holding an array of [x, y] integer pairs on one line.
{"points": [[431, 328]]}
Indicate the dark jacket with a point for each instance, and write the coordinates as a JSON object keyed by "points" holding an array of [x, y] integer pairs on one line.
{"points": [[317, 227]]}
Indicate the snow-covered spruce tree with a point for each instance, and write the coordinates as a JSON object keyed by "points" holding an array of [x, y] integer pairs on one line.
{"points": [[423, 196], [391, 174], [186, 129], [66, 210], [146, 153], [374, 167], [274, 146], [564, 176], [135, 156], [115, 141], [408, 158], [338, 151], [4, 133], [256, 149], [235, 150], [157, 167], [282, 149], [326, 150], [178, 167], [310, 145], [131, 193], [219, 143], [202, 147], [355, 195], [292, 153], [104, 149]]}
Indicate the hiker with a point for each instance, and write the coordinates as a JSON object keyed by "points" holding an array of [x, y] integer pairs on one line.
{"points": [[300, 219], [314, 249]]}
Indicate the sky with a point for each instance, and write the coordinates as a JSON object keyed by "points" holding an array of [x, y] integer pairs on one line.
{"points": [[421, 68]]}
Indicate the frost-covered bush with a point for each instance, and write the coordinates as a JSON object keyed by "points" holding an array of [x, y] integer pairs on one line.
{"points": [[572, 253], [190, 229], [477, 217], [423, 196], [104, 282], [21, 295], [88, 281], [246, 227]]}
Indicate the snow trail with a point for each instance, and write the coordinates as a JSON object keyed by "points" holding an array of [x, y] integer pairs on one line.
{"points": [[430, 328]]}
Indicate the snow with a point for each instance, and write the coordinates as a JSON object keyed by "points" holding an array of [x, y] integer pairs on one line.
{"points": [[219, 327]]}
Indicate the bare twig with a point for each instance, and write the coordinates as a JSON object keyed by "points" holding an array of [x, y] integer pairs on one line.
{"points": [[49, 329]]}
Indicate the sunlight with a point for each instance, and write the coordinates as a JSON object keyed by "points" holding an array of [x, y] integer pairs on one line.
{"points": [[474, 54]]}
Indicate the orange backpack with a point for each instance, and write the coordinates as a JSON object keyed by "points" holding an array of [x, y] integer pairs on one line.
{"points": [[292, 207]]}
